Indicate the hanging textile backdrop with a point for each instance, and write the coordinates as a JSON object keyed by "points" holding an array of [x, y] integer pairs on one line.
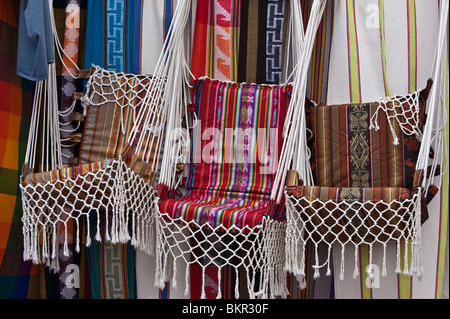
{"points": [[382, 49], [17, 278]]}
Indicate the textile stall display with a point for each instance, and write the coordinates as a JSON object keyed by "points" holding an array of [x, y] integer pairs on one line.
{"points": [[374, 168], [242, 147]]}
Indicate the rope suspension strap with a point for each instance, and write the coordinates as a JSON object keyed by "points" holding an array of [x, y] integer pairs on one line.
{"points": [[170, 85], [434, 135], [295, 153]]}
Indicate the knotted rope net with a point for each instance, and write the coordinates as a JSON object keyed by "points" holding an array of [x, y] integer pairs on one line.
{"points": [[113, 180]]}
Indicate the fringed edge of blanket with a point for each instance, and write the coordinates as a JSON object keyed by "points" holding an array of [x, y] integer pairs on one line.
{"points": [[297, 239], [263, 263], [128, 196]]}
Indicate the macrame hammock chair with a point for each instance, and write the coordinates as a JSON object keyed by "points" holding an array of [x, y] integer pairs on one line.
{"points": [[347, 208], [228, 217], [113, 176]]}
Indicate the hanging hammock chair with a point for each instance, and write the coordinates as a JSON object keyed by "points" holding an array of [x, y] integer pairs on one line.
{"points": [[229, 216], [113, 177], [369, 177]]}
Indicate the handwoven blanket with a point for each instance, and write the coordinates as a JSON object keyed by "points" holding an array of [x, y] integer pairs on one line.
{"points": [[18, 279]]}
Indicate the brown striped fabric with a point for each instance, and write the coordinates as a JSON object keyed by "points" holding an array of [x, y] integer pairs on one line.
{"points": [[346, 153]]}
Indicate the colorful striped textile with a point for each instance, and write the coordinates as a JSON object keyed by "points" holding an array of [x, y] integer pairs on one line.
{"points": [[70, 22], [151, 21], [232, 169], [204, 52], [216, 39], [111, 267], [220, 209], [18, 279], [317, 84], [381, 49]]}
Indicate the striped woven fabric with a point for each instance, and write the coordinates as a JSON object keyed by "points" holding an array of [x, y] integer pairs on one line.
{"points": [[378, 208], [18, 279], [236, 145], [347, 153], [109, 123], [216, 39], [220, 209], [63, 174]]}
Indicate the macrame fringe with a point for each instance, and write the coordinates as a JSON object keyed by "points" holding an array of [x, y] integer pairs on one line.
{"points": [[46, 209], [262, 263], [409, 244]]}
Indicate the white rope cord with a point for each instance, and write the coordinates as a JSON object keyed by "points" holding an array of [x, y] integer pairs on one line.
{"points": [[434, 132], [114, 191], [258, 250], [295, 127], [170, 85], [46, 98], [351, 224], [394, 109]]}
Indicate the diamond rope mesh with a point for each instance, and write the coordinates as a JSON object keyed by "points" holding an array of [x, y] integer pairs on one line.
{"points": [[113, 190], [352, 223], [259, 251], [404, 110], [108, 86]]}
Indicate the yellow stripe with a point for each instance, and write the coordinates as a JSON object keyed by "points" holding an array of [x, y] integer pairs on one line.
{"points": [[366, 290], [404, 281], [383, 47], [412, 46], [353, 53]]}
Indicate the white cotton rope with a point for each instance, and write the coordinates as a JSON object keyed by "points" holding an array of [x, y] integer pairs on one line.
{"points": [[434, 131], [295, 127], [171, 86]]}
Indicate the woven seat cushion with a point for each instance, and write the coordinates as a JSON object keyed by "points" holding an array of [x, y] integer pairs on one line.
{"points": [[236, 145], [226, 209], [356, 214], [347, 153], [110, 119]]}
